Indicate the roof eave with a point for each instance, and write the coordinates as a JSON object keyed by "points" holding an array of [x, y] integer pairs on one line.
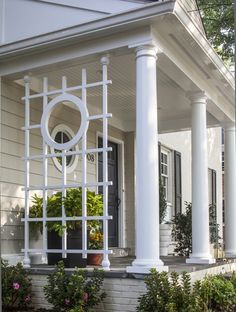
{"points": [[140, 15]]}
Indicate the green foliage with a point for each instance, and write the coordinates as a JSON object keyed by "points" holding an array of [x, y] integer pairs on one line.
{"points": [[214, 227], [75, 292], [162, 202], [167, 293], [215, 293], [96, 238], [16, 287], [218, 20], [173, 293], [182, 230], [73, 207]]}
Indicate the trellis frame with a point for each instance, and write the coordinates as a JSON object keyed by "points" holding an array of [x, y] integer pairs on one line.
{"points": [[65, 90]]}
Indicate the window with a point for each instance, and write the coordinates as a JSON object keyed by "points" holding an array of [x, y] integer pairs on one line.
{"points": [[164, 172], [62, 134]]}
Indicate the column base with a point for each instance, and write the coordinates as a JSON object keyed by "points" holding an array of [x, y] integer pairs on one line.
{"points": [[201, 260], [26, 262], [145, 265]]}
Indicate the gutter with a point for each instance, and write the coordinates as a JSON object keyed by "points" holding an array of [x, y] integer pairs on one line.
{"points": [[72, 34]]}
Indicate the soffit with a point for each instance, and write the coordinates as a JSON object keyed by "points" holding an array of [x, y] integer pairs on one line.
{"points": [[174, 111]]}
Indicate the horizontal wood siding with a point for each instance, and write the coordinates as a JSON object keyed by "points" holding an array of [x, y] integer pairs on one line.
{"points": [[12, 165]]}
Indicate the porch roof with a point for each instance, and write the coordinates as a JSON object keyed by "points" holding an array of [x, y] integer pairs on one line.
{"points": [[187, 62]]}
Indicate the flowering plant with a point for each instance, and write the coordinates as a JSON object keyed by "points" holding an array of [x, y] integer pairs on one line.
{"points": [[76, 292], [16, 287], [95, 239]]}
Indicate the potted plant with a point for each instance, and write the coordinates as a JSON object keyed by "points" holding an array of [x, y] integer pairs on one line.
{"points": [[73, 207], [95, 243]]}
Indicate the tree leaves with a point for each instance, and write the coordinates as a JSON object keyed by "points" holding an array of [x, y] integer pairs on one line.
{"points": [[218, 20]]}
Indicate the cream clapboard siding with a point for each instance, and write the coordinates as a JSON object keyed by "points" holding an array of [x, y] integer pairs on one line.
{"points": [[181, 142], [129, 194], [12, 165]]}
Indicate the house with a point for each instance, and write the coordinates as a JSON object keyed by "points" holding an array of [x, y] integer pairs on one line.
{"points": [[81, 77]]}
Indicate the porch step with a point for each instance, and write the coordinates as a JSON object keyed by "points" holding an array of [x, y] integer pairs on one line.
{"points": [[119, 252]]}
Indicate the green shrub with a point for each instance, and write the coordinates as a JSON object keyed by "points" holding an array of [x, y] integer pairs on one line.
{"points": [[16, 287], [167, 294], [173, 293], [75, 292], [162, 202], [216, 293], [182, 230]]}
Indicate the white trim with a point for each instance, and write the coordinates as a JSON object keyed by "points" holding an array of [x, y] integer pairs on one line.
{"points": [[46, 115], [167, 151], [121, 186], [74, 162]]}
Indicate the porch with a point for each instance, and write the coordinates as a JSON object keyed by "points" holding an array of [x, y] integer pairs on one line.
{"points": [[165, 79]]}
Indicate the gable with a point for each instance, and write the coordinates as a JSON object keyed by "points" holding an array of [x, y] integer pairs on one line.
{"points": [[21, 19]]}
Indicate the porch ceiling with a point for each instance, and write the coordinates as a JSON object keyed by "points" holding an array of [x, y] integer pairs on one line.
{"points": [[174, 109]]}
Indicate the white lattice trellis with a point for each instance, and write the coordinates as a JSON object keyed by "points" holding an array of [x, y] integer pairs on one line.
{"points": [[64, 94]]}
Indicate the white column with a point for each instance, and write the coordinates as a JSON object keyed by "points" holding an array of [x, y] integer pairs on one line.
{"points": [[200, 201], [146, 188], [230, 191]]}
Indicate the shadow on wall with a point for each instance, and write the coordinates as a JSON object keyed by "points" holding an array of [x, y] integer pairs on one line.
{"points": [[12, 231]]}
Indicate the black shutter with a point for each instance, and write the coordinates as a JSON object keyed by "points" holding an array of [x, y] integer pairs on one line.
{"points": [[177, 182], [213, 199], [214, 187]]}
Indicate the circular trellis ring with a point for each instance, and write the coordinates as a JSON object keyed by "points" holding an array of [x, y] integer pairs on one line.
{"points": [[47, 113]]}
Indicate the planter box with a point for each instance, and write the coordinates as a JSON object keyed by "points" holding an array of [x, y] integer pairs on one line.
{"points": [[74, 241], [165, 238]]}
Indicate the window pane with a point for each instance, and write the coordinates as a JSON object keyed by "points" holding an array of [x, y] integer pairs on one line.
{"points": [[58, 137], [65, 138]]}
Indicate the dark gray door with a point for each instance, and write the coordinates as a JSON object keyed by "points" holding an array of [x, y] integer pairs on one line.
{"points": [[113, 200]]}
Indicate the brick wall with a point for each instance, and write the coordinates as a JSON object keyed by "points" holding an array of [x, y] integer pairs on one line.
{"points": [[122, 293]]}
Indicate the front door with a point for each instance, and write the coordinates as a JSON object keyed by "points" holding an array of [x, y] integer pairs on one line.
{"points": [[113, 200]]}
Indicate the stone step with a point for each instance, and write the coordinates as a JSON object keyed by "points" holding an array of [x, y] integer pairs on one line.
{"points": [[119, 252]]}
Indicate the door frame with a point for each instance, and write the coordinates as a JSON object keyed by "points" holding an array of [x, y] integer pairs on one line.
{"points": [[121, 185]]}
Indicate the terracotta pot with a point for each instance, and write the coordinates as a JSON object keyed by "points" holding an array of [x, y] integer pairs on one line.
{"points": [[94, 259]]}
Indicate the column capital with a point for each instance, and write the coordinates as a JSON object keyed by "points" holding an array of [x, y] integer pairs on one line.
{"points": [[146, 50], [197, 97], [229, 126]]}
